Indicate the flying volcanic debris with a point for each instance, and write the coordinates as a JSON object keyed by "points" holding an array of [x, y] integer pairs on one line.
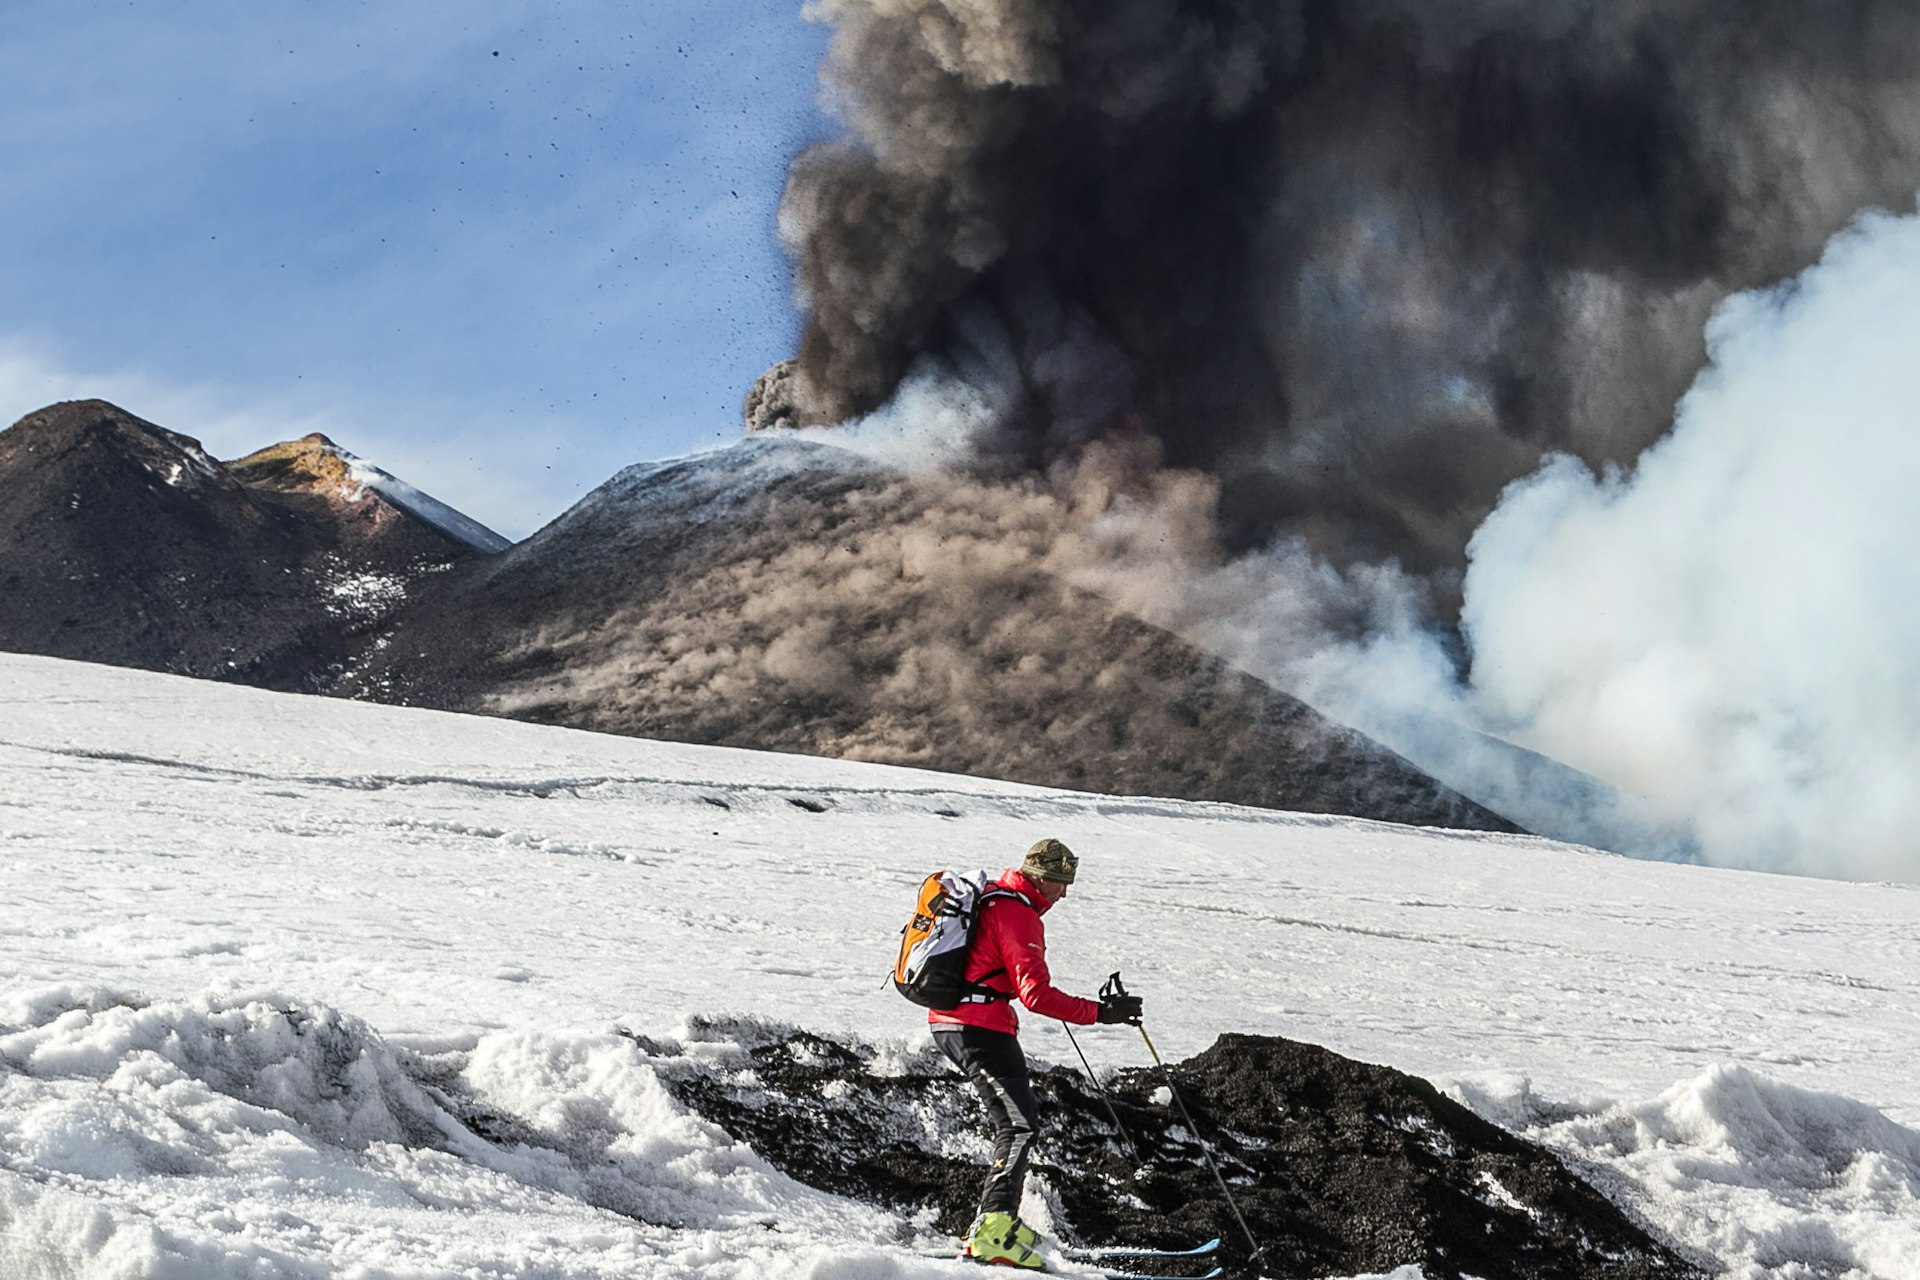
{"points": [[1362, 261]]}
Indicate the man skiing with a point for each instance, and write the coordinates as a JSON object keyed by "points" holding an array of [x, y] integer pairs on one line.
{"points": [[1008, 957]]}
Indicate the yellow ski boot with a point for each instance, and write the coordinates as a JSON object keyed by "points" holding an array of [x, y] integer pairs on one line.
{"points": [[1004, 1241]]}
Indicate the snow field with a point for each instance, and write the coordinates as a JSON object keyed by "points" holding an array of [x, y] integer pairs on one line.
{"points": [[1771, 1181], [270, 1138], [270, 967]]}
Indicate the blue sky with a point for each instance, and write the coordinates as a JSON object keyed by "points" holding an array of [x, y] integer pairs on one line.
{"points": [[500, 249]]}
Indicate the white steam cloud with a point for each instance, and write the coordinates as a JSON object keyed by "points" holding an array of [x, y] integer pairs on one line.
{"points": [[1731, 632]]}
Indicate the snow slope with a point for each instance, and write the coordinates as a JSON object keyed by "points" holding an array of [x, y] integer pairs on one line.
{"points": [[254, 947], [455, 524]]}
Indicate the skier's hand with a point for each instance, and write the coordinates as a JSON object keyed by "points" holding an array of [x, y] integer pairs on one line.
{"points": [[1115, 1007]]}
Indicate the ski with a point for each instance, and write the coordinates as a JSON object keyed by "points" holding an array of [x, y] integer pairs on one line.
{"points": [[1106, 1253], [1116, 1260]]}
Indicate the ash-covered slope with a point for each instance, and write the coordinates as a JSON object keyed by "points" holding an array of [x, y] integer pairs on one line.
{"points": [[787, 596], [125, 543]]}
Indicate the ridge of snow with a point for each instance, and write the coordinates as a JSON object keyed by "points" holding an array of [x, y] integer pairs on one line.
{"points": [[262, 1136], [1775, 1180], [744, 469], [424, 506], [273, 963]]}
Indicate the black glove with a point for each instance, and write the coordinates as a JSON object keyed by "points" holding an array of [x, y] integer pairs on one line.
{"points": [[1119, 1007]]}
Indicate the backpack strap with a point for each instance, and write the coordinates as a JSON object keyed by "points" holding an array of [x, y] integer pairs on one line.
{"points": [[978, 992]]}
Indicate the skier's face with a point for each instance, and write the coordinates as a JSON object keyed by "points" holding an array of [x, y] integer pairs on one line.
{"points": [[1052, 890]]}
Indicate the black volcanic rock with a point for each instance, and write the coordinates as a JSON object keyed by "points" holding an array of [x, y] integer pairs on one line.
{"points": [[788, 596], [1339, 1167], [125, 543]]}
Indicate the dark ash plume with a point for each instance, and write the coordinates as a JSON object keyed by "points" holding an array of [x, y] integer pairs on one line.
{"points": [[1364, 261]]}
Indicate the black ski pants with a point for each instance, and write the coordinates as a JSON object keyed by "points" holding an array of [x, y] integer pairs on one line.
{"points": [[993, 1061]]}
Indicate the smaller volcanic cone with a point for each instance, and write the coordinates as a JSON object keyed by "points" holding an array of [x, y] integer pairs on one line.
{"points": [[366, 503]]}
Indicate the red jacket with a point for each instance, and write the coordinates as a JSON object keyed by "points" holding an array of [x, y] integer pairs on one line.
{"points": [[1011, 944]]}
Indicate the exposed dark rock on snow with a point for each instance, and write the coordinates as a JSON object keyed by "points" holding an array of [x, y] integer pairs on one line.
{"points": [[123, 542], [787, 596], [1340, 1167]]}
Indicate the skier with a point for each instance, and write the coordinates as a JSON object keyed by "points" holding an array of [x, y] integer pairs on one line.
{"points": [[981, 1037]]}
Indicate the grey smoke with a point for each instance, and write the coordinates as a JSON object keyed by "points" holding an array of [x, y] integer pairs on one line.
{"points": [[1362, 261]]}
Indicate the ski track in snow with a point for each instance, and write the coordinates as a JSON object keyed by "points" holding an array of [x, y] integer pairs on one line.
{"points": [[238, 929]]}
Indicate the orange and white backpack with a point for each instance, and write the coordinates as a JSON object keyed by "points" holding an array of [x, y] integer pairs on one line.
{"points": [[932, 968]]}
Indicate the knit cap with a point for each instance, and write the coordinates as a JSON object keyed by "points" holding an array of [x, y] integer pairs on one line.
{"points": [[1050, 860]]}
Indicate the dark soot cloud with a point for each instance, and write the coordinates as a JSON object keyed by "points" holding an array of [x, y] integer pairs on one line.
{"points": [[1363, 260]]}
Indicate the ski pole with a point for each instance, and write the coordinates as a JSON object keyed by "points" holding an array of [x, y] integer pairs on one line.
{"points": [[1115, 986], [1104, 1097]]}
